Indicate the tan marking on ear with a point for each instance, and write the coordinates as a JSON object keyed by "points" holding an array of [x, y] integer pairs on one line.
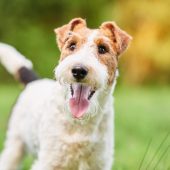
{"points": [[119, 37], [77, 23], [119, 41], [63, 32]]}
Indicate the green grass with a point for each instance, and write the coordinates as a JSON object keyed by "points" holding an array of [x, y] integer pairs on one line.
{"points": [[142, 115]]}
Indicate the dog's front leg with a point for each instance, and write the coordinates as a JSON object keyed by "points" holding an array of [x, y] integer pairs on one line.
{"points": [[12, 154]]}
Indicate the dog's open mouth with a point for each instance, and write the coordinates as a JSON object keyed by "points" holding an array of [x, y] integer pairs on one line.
{"points": [[80, 99]]}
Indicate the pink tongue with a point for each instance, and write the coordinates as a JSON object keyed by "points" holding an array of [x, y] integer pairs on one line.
{"points": [[79, 103]]}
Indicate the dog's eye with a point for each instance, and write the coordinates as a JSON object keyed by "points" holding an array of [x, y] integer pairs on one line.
{"points": [[72, 46], [102, 49]]}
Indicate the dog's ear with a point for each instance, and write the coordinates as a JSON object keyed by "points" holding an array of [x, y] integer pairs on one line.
{"points": [[119, 37], [63, 32]]}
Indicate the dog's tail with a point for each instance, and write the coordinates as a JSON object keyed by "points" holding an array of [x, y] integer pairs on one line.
{"points": [[16, 64]]}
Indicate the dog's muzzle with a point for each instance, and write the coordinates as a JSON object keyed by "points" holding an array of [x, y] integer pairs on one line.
{"points": [[81, 92]]}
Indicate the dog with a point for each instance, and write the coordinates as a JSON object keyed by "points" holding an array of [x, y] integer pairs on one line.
{"points": [[68, 124]]}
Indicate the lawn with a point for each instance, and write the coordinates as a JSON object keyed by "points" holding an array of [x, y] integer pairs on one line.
{"points": [[142, 119]]}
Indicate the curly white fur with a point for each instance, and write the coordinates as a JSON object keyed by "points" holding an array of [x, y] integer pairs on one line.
{"points": [[40, 122]]}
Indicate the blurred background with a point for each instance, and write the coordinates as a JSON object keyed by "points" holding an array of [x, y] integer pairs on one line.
{"points": [[142, 96]]}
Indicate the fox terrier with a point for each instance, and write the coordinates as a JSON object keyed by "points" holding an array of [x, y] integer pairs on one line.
{"points": [[68, 124]]}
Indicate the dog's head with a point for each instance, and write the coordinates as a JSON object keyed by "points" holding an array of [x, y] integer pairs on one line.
{"points": [[88, 62]]}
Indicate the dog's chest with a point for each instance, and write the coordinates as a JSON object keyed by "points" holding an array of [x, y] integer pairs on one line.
{"points": [[82, 153]]}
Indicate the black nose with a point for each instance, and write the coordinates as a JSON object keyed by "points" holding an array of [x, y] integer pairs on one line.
{"points": [[79, 72]]}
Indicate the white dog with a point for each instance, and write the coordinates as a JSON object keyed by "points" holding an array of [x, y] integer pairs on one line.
{"points": [[68, 123]]}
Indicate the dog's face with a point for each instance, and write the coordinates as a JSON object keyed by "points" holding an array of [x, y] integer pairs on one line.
{"points": [[88, 62]]}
